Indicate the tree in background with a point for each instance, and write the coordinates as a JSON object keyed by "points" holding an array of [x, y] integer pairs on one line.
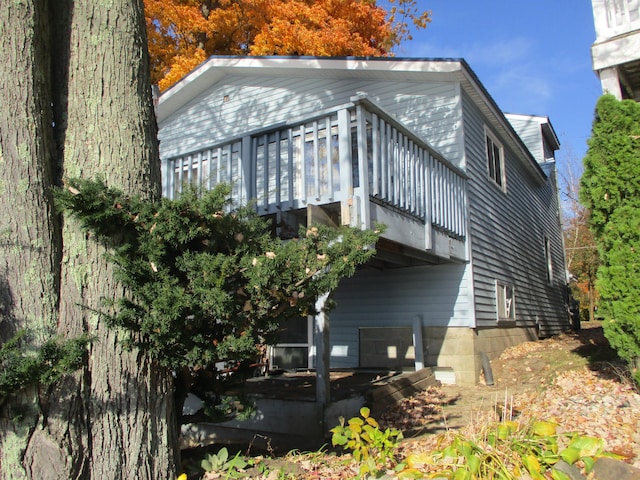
{"points": [[183, 33], [610, 189], [582, 262], [581, 252]]}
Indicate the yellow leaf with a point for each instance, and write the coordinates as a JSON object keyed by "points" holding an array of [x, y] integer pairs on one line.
{"points": [[544, 429], [417, 460]]}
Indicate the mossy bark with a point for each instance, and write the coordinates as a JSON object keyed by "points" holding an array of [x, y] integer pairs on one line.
{"points": [[75, 100]]}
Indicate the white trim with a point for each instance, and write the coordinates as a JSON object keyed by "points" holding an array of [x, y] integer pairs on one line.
{"points": [[548, 259], [502, 294], [488, 134]]}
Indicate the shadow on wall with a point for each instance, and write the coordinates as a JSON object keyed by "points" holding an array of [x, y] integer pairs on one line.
{"points": [[386, 347]]}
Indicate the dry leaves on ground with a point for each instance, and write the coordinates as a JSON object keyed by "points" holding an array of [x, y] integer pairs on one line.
{"points": [[595, 403]]}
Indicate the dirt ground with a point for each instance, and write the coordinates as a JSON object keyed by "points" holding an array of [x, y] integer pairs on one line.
{"points": [[524, 370], [575, 380]]}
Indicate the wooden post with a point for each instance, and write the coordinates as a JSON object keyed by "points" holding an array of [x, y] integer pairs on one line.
{"points": [[363, 168], [417, 343], [321, 333]]}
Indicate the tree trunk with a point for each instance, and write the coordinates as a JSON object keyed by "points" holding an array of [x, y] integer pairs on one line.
{"points": [[29, 233], [115, 419], [592, 302]]}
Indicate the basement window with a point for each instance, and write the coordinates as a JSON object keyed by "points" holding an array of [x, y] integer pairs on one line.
{"points": [[505, 302]]}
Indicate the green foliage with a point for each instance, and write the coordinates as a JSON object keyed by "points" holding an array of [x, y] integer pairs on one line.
{"points": [[225, 407], [508, 451], [610, 188], [227, 467], [372, 447], [206, 283], [23, 365]]}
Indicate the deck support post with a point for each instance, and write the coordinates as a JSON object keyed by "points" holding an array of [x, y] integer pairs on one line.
{"points": [[321, 334], [417, 342]]}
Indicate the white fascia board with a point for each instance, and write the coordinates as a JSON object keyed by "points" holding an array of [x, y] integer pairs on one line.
{"points": [[192, 85]]}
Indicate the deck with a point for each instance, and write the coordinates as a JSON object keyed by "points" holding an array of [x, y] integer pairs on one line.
{"points": [[351, 165]]}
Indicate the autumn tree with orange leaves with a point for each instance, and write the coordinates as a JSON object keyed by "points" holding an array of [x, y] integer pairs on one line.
{"points": [[183, 33]]}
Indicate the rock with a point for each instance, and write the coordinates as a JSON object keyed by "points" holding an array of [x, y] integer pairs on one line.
{"points": [[569, 470], [610, 469], [192, 405]]}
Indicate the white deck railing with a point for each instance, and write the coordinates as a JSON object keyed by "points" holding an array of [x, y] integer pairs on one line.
{"points": [[622, 12], [615, 17], [320, 160]]}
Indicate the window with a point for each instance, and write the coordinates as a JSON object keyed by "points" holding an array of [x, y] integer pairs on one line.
{"points": [[295, 338], [495, 161], [505, 302], [548, 261]]}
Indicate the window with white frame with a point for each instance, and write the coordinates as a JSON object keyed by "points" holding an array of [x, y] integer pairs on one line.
{"points": [[495, 160], [505, 302], [548, 260]]}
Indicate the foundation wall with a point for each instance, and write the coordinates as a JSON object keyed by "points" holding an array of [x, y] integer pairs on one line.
{"points": [[386, 347], [494, 341], [451, 347], [459, 348]]}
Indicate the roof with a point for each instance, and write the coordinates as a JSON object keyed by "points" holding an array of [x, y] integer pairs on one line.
{"points": [[215, 68]]}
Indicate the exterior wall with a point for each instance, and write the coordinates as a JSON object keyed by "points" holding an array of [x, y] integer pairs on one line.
{"points": [[458, 348], [493, 341], [238, 104], [507, 232], [389, 347], [529, 131], [455, 348], [440, 295]]}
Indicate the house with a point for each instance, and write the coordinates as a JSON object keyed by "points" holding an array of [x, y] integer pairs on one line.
{"points": [[472, 259], [616, 50]]}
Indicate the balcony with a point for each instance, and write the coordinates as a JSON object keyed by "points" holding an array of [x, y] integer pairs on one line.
{"points": [[351, 165], [615, 54]]}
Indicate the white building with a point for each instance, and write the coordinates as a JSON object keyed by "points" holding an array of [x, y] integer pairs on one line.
{"points": [[616, 50]]}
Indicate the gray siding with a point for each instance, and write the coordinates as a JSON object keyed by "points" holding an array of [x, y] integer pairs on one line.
{"points": [[530, 133], [439, 294], [238, 104], [508, 231]]}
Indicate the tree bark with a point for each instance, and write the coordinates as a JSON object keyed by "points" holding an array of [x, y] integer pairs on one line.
{"points": [[78, 105], [29, 233]]}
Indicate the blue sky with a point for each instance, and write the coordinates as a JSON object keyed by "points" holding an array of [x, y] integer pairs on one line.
{"points": [[533, 58]]}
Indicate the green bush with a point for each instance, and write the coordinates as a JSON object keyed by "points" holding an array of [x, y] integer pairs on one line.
{"points": [[372, 447], [227, 467], [23, 364], [610, 188]]}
